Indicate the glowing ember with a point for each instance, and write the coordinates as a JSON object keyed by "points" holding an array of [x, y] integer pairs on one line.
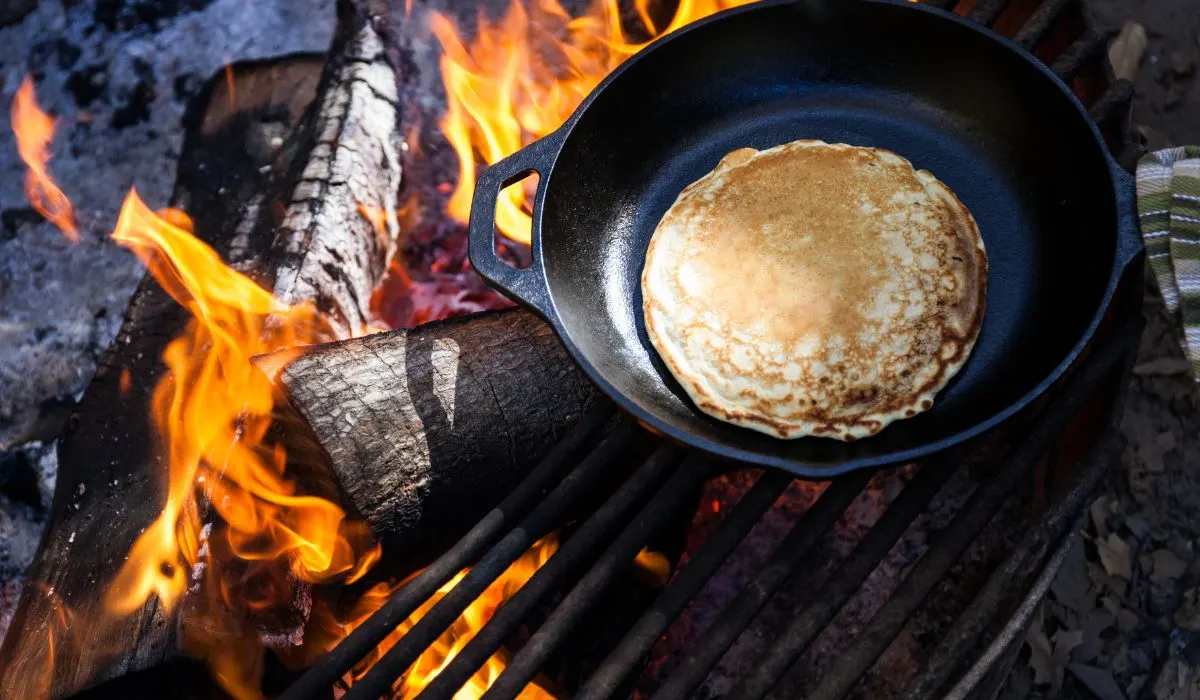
{"points": [[34, 130], [654, 567], [521, 77], [228, 70]]}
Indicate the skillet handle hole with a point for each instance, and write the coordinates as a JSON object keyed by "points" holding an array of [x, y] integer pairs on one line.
{"points": [[512, 225]]}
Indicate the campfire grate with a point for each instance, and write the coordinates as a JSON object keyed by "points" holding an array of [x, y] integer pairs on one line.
{"points": [[611, 536], [671, 477]]}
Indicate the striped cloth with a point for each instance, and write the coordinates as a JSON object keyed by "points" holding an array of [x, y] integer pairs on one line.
{"points": [[1168, 200]]}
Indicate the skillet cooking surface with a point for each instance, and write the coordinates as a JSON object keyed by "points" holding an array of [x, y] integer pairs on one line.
{"points": [[981, 115]]}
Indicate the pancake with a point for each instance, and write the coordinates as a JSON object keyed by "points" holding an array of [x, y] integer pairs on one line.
{"points": [[815, 289]]}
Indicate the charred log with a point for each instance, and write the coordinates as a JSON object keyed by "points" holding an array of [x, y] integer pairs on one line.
{"points": [[425, 430], [285, 211]]}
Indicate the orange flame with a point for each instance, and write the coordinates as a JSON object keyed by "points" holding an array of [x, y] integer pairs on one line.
{"points": [[34, 130], [381, 218], [523, 76], [212, 411], [35, 677], [327, 629], [517, 81]]}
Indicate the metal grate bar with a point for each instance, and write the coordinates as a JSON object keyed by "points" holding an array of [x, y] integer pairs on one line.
{"points": [[1011, 575], [1114, 106], [842, 585], [1086, 48], [563, 564], [971, 520], [994, 664], [686, 584], [575, 486], [816, 522], [1114, 103], [564, 457], [985, 12], [604, 573], [1040, 22]]}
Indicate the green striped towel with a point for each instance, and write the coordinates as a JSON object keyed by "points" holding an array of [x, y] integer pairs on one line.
{"points": [[1168, 199]]}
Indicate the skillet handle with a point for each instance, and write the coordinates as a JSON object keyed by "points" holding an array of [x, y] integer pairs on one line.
{"points": [[528, 286], [1129, 232]]}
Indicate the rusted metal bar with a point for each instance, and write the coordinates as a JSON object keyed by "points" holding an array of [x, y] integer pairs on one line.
{"points": [[1040, 22], [565, 563], [848, 578], [317, 681], [613, 563], [733, 620], [687, 583], [1086, 48], [1011, 576], [948, 544], [546, 517], [1114, 103]]}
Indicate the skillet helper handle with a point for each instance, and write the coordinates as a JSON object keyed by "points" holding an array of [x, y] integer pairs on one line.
{"points": [[1129, 233], [528, 286]]}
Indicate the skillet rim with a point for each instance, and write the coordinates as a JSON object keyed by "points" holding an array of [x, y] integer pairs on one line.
{"points": [[1118, 178]]}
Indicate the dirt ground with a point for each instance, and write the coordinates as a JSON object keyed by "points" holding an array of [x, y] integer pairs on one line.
{"points": [[1123, 618], [1167, 105]]}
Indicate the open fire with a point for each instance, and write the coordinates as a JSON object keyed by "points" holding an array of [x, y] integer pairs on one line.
{"points": [[517, 80], [522, 76], [253, 553], [212, 413], [328, 628]]}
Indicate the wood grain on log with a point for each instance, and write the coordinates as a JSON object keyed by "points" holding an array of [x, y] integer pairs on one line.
{"points": [[424, 430], [325, 250], [294, 239]]}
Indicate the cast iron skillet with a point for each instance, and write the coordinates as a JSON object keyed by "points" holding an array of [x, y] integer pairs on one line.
{"points": [[989, 120]]}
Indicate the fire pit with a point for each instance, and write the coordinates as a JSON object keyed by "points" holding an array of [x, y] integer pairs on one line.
{"points": [[451, 510]]}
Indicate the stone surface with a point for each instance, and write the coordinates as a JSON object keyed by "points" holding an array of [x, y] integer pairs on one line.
{"points": [[14, 10], [118, 74], [26, 487]]}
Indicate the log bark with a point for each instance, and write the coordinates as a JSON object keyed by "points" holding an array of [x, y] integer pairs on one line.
{"points": [[288, 216], [425, 430]]}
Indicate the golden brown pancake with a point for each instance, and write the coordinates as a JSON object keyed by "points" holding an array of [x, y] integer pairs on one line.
{"points": [[815, 289]]}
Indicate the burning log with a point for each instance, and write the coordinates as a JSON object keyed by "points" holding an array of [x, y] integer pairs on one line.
{"points": [[425, 430], [286, 212]]}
